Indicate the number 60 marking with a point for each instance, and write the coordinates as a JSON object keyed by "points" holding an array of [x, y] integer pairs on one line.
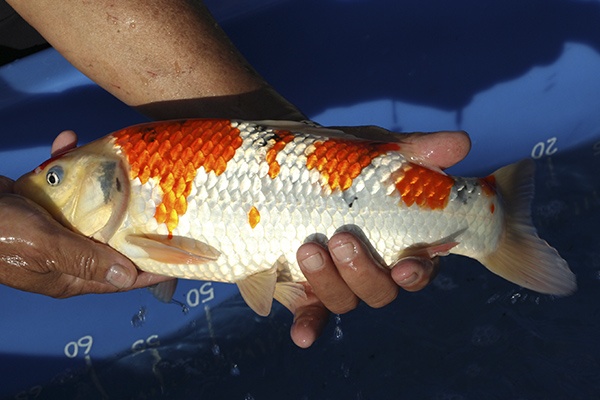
{"points": [[83, 343]]}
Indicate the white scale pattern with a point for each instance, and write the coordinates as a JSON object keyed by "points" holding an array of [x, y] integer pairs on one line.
{"points": [[298, 203]]}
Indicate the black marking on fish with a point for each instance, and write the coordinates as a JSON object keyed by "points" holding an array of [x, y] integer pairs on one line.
{"points": [[107, 177]]}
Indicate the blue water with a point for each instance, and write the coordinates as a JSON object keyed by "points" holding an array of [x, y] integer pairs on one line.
{"points": [[469, 335], [407, 65]]}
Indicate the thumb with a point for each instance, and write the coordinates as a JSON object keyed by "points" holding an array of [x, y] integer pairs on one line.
{"points": [[56, 248], [84, 258], [6, 184]]}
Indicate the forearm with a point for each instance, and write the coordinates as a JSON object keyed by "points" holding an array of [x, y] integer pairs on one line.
{"points": [[164, 56]]}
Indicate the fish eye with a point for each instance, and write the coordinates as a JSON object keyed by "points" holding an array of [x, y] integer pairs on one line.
{"points": [[54, 175]]}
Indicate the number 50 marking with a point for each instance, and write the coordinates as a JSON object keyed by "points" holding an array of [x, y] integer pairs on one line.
{"points": [[84, 344], [546, 148], [195, 297]]}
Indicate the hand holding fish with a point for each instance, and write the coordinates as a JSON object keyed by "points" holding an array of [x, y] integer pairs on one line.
{"points": [[344, 272], [210, 199], [39, 255], [243, 210], [60, 263]]}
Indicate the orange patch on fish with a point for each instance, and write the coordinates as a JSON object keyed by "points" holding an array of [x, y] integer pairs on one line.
{"points": [[340, 161], [171, 153], [253, 217], [424, 187], [282, 138]]}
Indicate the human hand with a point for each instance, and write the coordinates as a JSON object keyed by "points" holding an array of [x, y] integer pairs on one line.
{"points": [[344, 272], [39, 255]]}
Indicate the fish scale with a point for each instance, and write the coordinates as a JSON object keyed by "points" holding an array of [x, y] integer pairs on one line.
{"points": [[223, 221], [232, 201]]}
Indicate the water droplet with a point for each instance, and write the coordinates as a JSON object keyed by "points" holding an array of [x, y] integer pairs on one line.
{"points": [[485, 335], [216, 350], [493, 299], [444, 282], [184, 308], [235, 370], [338, 334], [345, 370], [515, 298], [248, 397], [139, 318]]}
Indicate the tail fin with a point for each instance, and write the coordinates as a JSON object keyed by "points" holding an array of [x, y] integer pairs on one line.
{"points": [[522, 257]]}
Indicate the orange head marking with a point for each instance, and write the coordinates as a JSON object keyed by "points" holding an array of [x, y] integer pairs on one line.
{"points": [[340, 161], [424, 187], [172, 152]]}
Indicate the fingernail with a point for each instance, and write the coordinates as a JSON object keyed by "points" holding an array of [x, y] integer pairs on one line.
{"points": [[119, 276], [344, 252], [409, 280], [407, 274], [313, 262], [426, 263]]}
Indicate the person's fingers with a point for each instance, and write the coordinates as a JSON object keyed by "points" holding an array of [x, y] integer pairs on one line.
{"points": [[96, 262], [310, 319], [442, 149], [325, 280], [357, 267], [46, 247], [414, 273], [65, 141]]}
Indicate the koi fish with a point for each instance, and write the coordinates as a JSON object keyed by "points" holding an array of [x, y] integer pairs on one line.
{"points": [[231, 201]]}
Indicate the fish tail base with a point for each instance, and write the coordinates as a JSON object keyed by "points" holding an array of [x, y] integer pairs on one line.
{"points": [[522, 257]]}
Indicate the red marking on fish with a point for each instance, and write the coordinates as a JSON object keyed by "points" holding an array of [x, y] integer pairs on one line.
{"points": [[171, 153], [282, 138], [424, 187], [43, 165], [488, 184], [340, 161]]}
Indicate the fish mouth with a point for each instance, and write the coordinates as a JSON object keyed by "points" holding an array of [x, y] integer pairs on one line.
{"points": [[24, 186]]}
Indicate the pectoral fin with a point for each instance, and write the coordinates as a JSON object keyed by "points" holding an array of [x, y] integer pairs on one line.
{"points": [[175, 250], [258, 290]]}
